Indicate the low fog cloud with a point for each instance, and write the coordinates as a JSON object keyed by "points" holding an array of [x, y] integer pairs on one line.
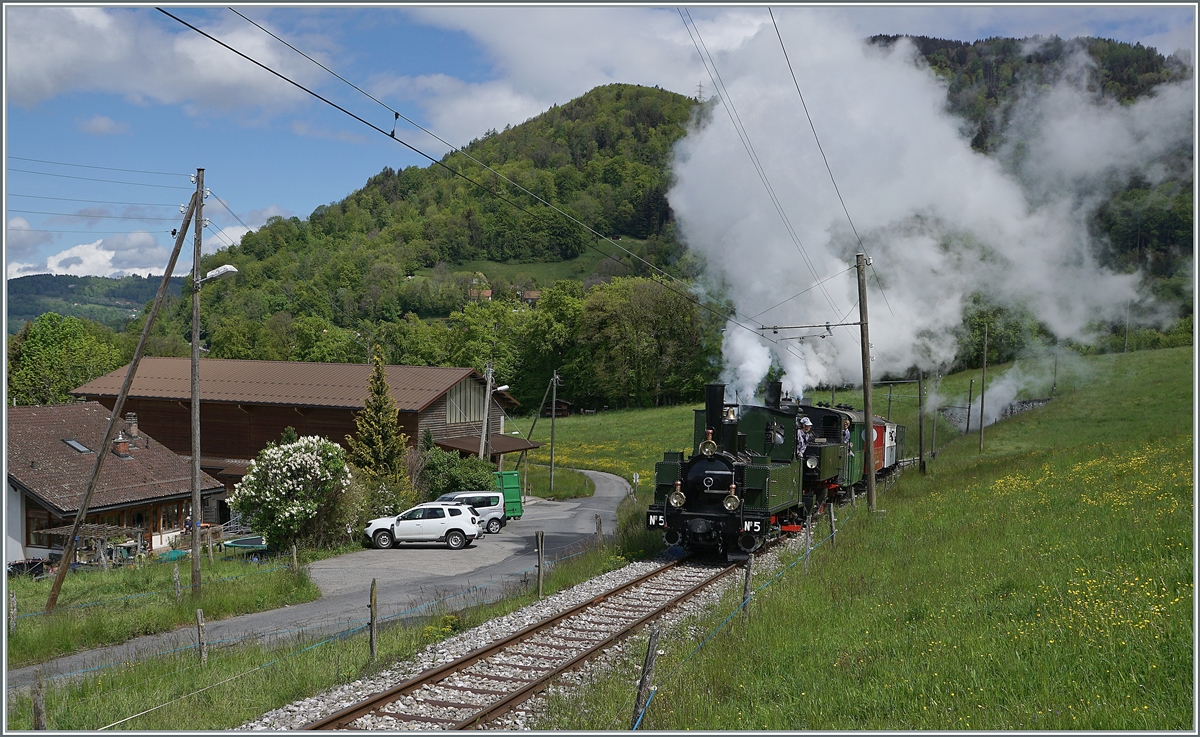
{"points": [[939, 220]]}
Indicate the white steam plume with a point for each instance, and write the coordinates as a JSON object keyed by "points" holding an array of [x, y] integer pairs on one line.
{"points": [[939, 220]]}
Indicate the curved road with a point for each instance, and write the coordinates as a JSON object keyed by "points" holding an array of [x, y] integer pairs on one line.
{"points": [[407, 577]]}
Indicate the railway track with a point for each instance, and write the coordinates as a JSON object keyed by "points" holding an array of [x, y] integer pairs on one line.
{"points": [[487, 682]]}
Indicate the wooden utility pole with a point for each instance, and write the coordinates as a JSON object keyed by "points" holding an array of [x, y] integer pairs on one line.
{"points": [[1054, 387], [937, 382], [487, 405], [970, 401], [553, 415], [868, 417], [102, 452], [920, 421], [196, 516], [983, 386]]}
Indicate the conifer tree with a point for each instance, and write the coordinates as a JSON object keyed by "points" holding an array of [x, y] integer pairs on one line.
{"points": [[378, 446]]}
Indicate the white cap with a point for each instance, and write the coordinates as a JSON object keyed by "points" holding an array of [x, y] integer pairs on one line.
{"points": [[806, 422]]}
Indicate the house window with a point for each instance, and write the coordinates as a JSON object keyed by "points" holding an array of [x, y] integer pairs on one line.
{"points": [[172, 517], [464, 402], [37, 519]]}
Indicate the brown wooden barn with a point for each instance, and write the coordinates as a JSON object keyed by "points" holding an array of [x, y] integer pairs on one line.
{"points": [[246, 404]]}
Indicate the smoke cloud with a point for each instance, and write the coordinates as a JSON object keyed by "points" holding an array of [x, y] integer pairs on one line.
{"points": [[939, 220]]}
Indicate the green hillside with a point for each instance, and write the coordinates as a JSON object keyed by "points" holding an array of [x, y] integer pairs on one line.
{"points": [[1043, 584], [111, 302]]}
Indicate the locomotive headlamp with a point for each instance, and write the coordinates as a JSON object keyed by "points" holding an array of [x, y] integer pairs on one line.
{"points": [[731, 503], [707, 446], [811, 462], [677, 498]]}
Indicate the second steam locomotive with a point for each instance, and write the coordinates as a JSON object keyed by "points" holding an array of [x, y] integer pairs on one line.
{"points": [[744, 482]]}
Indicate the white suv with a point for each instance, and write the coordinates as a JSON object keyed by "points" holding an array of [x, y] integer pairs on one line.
{"points": [[489, 505], [453, 524]]}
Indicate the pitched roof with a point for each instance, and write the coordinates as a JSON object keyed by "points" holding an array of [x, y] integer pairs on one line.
{"points": [[290, 383], [40, 461], [497, 444]]}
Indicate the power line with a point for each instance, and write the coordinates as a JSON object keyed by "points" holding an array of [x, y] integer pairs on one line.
{"points": [[109, 181], [77, 215], [107, 168], [95, 202], [456, 173], [826, 159], [117, 232], [744, 137], [228, 210], [797, 294]]}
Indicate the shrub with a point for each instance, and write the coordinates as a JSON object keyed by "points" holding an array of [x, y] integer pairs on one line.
{"points": [[444, 472], [294, 492]]}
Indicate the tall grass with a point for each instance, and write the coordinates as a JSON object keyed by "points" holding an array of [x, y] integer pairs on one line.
{"points": [[1044, 584], [99, 608]]}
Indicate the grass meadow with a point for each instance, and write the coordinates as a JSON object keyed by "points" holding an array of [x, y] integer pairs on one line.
{"points": [[568, 484], [1043, 584], [97, 608]]}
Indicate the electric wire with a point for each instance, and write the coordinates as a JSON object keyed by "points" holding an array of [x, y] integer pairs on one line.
{"points": [[744, 136], [797, 294], [95, 202], [229, 210], [688, 296], [93, 179], [106, 168], [103, 232], [78, 215], [824, 158]]}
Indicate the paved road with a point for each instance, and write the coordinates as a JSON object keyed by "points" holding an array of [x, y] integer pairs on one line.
{"points": [[408, 576]]}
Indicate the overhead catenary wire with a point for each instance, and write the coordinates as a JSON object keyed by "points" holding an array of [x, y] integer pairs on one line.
{"points": [[744, 136], [824, 158], [688, 296]]}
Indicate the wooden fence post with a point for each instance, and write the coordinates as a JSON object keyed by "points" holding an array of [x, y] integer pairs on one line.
{"points": [[832, 528], [178, 590], [295, 565], [746, 589], [39, 702], [541, 559], [599, 530], [644, 687], [808, 525], [210, 553], [203, 645], [374, 624], [12, 612]]}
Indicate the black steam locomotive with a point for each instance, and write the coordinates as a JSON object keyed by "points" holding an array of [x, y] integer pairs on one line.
{"points": [[744, 482]]}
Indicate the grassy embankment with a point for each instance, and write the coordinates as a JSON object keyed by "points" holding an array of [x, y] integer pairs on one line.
{"points": [[1043, 584], [97, 608]]}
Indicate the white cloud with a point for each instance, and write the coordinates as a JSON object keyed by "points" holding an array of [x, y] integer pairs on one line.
{"points": [[121, 255], [258, 218], [21, 241], [100, 125], [54, 50]]}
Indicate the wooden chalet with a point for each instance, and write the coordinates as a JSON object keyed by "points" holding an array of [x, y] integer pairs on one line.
{"points": [[246, 404], [144, 491]]}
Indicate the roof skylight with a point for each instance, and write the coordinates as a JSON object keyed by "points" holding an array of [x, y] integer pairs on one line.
{"points": [[77, 445]]}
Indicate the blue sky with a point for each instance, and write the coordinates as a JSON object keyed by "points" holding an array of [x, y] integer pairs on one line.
{"points": [[129, 95]]}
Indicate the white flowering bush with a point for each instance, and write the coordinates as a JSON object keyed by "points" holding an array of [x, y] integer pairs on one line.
{"points": [[292, 491]]}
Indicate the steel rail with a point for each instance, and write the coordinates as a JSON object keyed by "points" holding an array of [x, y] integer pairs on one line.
{"points": [[341, 718]]}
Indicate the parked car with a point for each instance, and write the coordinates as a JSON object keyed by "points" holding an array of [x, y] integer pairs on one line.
{"points": [[489, 505], [454, 524]]}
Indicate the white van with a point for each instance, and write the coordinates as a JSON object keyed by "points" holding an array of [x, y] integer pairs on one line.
{"points": [[489, 505]]}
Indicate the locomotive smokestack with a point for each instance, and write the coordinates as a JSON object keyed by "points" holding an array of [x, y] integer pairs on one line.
{"points": [[774, 392], [714, 407]]}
